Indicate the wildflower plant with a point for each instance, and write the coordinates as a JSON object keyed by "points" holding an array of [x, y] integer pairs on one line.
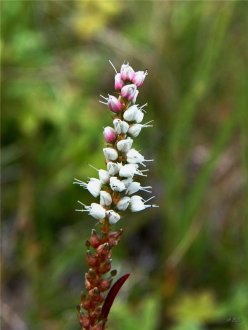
{"points": [[117, 190]]}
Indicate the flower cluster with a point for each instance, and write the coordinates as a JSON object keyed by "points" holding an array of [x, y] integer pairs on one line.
{"points": [[117, 186], [117, 189]]}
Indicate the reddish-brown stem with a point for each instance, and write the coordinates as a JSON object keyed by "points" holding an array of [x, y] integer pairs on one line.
{"points": [[97, 282]]}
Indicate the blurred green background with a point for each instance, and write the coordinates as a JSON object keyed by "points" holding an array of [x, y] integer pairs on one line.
{"points": [[189, 258]]}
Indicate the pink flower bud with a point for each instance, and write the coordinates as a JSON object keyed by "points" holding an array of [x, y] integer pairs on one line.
{"points": [[127, 72], [129, 92], [119, 83], [113, 103], [109, 134], [139, 78]]}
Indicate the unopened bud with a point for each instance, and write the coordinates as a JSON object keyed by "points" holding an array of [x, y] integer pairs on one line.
{"points": [[105, 285], [86, 304], [94, 292], [94, 239], [119, 83], [114, 237], [109, 134], [139, 78], [84, 321], [87, 283], [103, 249], [113, 103], [91, 259], [129, 92], [105, 267], [127, 72]]}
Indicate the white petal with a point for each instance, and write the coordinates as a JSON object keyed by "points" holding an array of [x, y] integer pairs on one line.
{"points": [[125, 145], [104, 176], [110, 153], [123, 203], [128, 170], [134, 157], [137, 204], [131, 113], [139, 116], [124, 127], [117, 125], [135, 96], [105, 198], [97, 211], [121, 127], [112, 216], [94, 187], [133, 188], [113, 168], [116, 184], [134, 130], [127, 181]]}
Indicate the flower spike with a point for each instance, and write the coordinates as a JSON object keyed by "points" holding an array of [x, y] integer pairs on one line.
{"points": [[118, 190]]}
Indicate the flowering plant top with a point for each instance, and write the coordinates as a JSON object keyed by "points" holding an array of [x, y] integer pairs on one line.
{"points": [[116, 189], [117, 185]]}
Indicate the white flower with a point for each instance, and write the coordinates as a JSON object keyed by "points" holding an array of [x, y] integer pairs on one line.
{"points": [[137, 203], [139, 116], [129, 170], [129, 92], [133, 187], [121, 127], [125, 145], [103, 176], [134, 157], [123, 203], [112, 216], [127, 72], [139, 78], [134, 113], [95, 210], [127, 181], [113, 168], [130, 113], [135, 129], [105, 198], [110, 153], [93, 186], [116, 184]]}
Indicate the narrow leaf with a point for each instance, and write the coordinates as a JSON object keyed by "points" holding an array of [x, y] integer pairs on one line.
{"points": [[112, 295]]}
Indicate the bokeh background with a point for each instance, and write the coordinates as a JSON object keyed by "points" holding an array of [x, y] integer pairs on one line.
{"points": [[189, 258]]}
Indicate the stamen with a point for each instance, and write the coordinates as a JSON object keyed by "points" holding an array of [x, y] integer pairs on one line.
{"points": [[149, 199], [93, 167], [113, 66], [147, 124]]}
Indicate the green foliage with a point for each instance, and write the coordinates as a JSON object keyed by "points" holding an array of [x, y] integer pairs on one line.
{"points": [[191, 253]]}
